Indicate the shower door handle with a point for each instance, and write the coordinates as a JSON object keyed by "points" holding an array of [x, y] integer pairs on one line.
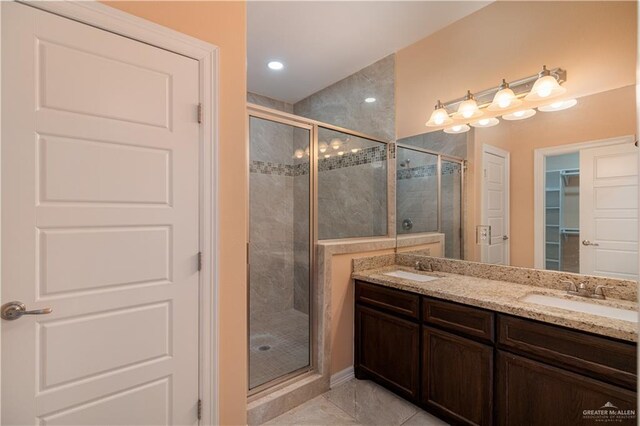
{"points": [[589, 243], [505, 237]]}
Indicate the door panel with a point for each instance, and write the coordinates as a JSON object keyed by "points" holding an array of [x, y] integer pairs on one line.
{"points": [[100, 160], [495, 209], [609, 211], [457, 377], [387, 349]]}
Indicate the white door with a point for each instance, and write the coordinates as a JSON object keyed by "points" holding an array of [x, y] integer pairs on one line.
{"points": [[100, 223], [609, 211], [495, 201]]}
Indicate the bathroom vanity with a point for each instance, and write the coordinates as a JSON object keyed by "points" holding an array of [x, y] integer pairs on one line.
{"points": [[476, 365]]}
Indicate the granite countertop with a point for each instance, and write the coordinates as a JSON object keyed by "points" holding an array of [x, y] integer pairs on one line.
{"points": [[505, 297]]}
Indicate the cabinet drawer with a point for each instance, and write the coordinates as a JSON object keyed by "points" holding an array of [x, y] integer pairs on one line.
{"points": [[609, 360], [473, 322], [388, 299]]}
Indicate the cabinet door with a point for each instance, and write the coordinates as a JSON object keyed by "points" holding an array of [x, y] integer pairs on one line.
{"points": [[457, 378], [387, 349], [533, 393]]}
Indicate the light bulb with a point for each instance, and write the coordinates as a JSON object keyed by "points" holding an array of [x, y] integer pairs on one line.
{"points": [[520, 115], [340, 153], [306, 151], [504, 98], [336, 143], [486, 122], [439, 117], [327, 155], [322, 147], [546, 86], [458, 128], [299, 153], [468, 108], [559, 105], [354, 150]]}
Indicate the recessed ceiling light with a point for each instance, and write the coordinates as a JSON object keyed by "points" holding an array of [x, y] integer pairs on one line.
{"points": [[370, 100], [275, 65]]}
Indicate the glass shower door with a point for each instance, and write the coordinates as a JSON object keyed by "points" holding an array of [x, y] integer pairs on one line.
{"points": [[451, 188], [279, 249]]}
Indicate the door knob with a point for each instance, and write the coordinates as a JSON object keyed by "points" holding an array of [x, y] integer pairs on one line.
{"points": [[14, 310], [505, 237], [589, 243]]}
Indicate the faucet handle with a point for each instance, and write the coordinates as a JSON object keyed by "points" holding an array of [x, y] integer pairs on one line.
{"points": [[571, 285], [599, 292]]}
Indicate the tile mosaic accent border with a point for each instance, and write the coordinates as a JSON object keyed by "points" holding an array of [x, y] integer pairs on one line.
{"points": [[269, 168], [428, 170], [364, 156]]}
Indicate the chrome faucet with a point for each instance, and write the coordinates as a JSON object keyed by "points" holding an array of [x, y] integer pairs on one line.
{"points": [[422, 266], [582, 290]]}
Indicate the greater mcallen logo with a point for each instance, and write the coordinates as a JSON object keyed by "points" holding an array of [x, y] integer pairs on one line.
{"points": [[608, 413]]}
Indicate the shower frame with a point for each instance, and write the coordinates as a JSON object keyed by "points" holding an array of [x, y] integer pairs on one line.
{"points": [[313, 126], [452, 159]]}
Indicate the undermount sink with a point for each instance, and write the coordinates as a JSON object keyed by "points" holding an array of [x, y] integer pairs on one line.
{"points": [[585, 307], [410, 276]]}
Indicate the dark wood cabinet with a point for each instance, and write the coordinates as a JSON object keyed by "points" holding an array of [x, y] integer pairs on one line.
{"points": [[457, 377], [532, 393], [387, 350], [473, 366]]}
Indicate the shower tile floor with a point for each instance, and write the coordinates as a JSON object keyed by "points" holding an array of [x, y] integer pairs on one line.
{"points": [[357, 402], [278, 344]]}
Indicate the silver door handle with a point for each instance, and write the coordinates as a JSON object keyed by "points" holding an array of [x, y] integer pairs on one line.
{"points": [[14, 310], [505, 237], [589, 243]]}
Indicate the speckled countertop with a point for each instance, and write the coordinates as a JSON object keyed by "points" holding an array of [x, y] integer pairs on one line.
{"points": [[506, 297]]}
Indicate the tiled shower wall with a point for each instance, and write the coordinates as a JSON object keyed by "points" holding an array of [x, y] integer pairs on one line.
{"points": [[342, 104], [352, 194]]}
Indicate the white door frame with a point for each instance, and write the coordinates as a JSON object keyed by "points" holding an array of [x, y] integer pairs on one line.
{"points": [[113, 20], [539, 184], [490, 149]]}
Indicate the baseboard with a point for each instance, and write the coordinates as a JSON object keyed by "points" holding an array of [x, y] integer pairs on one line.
{"points": [[341, 377]]}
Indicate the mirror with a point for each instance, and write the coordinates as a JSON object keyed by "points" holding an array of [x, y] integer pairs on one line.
{"points": [[556, 191]]}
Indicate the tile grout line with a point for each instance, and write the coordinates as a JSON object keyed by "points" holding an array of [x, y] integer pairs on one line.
{"points": [[324, 395]]}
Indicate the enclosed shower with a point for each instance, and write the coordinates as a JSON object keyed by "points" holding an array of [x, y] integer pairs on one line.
{"points": [[429, 195], [308, 181]]}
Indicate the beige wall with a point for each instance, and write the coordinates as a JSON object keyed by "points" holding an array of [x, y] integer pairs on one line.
{"points": [[342, 303], [601, 116], [222, 24], [594, 41]]}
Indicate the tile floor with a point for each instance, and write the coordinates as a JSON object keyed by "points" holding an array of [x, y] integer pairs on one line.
{"points": [[357, 402], [278, 344]]}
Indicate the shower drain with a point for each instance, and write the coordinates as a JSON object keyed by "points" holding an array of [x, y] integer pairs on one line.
{"points": [[264, 348]]}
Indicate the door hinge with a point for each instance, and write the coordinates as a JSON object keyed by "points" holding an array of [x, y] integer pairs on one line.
{"points": [[199, 409], [199, 261], [199, 113]]}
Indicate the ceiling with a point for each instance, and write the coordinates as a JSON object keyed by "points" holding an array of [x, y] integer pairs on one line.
{"points": [[321, 42]]}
